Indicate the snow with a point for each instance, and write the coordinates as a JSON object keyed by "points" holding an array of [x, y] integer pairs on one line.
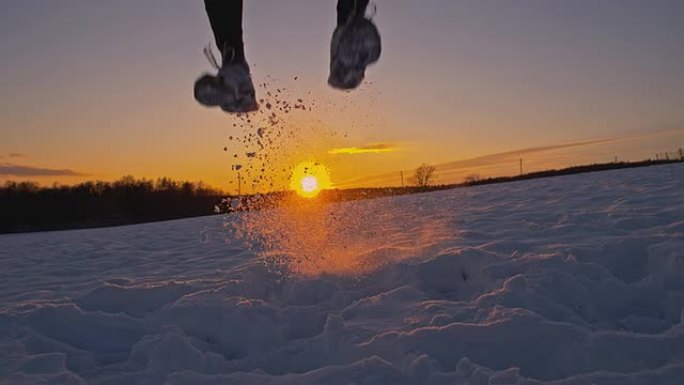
{"points": [[568, 280]]}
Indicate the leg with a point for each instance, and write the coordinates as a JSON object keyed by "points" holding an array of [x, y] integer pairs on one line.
{"points": [[355, 44], [348, 9], [232, 88], [225, 17]]}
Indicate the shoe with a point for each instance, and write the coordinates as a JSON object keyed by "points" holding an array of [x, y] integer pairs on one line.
{"points": [[209, 91], [237, 82], [355, 45], [231, 89]]}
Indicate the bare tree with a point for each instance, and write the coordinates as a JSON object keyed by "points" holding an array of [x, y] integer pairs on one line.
{"points": [[423, 175], [471, 178]]}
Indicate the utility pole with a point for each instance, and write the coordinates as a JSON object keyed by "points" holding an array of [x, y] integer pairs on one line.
{"points": [[239, 184], [521, 169], [402, 175], [616, 160], [681, 154]]}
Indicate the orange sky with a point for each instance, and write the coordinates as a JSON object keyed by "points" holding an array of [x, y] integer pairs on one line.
{"points": [[97, 90]]}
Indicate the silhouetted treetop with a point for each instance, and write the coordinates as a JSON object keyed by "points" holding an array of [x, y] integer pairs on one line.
{"points": [[26, 206]]}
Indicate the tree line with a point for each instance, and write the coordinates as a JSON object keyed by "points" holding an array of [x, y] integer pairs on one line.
{"points": [[26, 206]]}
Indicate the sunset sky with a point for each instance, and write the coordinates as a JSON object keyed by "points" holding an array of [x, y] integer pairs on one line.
{"points": [[94, 89]]}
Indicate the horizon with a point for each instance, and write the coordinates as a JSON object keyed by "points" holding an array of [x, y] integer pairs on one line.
{"points": [[474, 88], [465, 171]]}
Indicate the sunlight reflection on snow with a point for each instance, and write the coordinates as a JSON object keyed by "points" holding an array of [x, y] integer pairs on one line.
{"points": [[314, 239]]}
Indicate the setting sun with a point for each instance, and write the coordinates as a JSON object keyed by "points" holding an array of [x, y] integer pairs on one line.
{"points": [[309, 179], [309, 183]]}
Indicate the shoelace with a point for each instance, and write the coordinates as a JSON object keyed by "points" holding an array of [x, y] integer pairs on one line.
{"points": [[375, 11], [209, 54]]}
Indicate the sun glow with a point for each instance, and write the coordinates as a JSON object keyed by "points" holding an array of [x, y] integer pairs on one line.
{"points": [[309, 179], [309, 184]]}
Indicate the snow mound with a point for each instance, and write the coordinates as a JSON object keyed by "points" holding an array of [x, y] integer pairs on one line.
{"points": [[572, 280]]}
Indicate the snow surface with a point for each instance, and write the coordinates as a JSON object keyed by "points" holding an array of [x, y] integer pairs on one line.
{"points": [[569, 280]]}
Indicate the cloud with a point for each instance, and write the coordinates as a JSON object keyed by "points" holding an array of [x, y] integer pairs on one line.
{"points": [[485, 161], [9, 169], [492, 162], [501, 157], [14, 155], [374, 148]]}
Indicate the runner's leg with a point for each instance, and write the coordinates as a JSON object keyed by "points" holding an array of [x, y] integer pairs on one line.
{"points": [[346, 9], [225, 17]]}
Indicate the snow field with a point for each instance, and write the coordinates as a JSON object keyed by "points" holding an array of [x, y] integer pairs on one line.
{"points": [[571, 280]]}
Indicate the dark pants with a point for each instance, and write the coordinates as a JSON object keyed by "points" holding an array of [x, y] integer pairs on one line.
{"points": [[225, 17]]}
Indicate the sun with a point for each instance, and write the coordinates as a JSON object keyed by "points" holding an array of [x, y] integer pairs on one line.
{"points": [[309, 184], [309, 179]]}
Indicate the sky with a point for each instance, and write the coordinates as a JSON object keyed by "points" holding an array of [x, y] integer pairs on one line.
{"points": [[94, 89]]}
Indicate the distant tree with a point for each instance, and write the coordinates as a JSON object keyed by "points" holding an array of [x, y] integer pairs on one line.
{"points": [[423, 175], [471, 178], [26, 206], [21, 187]]}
